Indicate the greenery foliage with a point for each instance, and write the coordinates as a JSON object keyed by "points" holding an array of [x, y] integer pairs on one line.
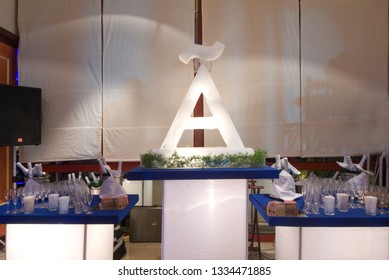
{"points": [[239, 160]]}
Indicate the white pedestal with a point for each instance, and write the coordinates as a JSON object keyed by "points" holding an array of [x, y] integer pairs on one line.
{"points": [[59, 242], [204, 219], [332, 243]]}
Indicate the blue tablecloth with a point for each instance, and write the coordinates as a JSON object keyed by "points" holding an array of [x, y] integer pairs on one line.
{"points": [[44, 216], [139, 173], [352, 218]]}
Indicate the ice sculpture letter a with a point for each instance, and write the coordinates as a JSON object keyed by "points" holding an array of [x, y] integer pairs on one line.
{"points": [[220, 119]]}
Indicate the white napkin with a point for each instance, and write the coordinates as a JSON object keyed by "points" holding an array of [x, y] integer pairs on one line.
{"points": [[111, 188], [31, 187], [285, 164], [360, 180], [284, 187], [349, 165]]}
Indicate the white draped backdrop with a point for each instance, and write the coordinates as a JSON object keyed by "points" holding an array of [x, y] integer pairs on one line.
{"points": [[298, 78]]}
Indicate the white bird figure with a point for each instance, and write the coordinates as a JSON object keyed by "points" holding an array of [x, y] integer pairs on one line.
{"points": [[36, 171], [349, 165], [285, 164], [204, 53], [106, 168]]}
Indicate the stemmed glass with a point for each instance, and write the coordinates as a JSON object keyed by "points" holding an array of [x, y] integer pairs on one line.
{"points": [[316, 188], [306, 197], [8, 198], [353, 194], [360, 193], [45, 193], [37, 194], [21, 196], [308, 194], [382, 200], [325, 190], [15, 198], [89, 198]]}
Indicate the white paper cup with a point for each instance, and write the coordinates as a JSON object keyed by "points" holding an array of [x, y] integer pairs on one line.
{"points": [[53, 202], [329, 205], [342, 199], [371, 205], [29, 204], [63, 205]]}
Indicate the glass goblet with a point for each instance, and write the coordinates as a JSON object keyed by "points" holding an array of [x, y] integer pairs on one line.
{"points": [[15, 198], [89, 198], [8, 199], [382, 200]]}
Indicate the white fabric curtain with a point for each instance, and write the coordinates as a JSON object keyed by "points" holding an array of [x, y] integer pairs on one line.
{"points": [[115, 102], [298, 78], [258, 73], [344, 68], [60, 52], [144, 81], [328, 98]]}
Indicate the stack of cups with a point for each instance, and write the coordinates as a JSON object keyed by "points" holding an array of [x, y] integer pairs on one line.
{"points": [[63, 205], [329, 205], [371, 205], [53, 202], [29, 204], [342, 199]]}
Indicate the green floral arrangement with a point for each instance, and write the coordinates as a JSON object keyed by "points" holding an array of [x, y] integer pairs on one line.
{"points": [[224, 160]]}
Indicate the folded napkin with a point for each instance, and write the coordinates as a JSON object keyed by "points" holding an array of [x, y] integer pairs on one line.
{"points": [[360, 180], [111, 188], [349, 165], [31, 187], [284, 187]]}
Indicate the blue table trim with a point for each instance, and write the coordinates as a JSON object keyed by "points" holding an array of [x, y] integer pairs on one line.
{"points": [[353, 218], [139, 173], [43, 216]]}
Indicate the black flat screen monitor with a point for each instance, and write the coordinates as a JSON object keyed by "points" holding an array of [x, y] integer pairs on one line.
{"points": [[20, 115]]}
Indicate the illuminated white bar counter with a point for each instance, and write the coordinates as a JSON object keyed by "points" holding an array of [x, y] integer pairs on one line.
{"points": [[349, 235], [47, 235], [204, 211]]}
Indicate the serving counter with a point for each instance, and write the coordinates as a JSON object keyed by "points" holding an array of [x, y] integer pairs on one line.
{"points": [[346, 235], [49, 235], [204, 211]]}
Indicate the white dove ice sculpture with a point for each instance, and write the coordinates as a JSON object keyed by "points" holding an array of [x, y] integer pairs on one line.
{"points": [[202, 52]]}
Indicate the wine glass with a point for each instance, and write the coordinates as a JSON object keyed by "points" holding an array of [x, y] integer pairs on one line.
{"points": [[382, 200], [306, 197], [360, 193], [353, 194], [21, 196], [15, 198], [45, 193], [89, 198], [8, 198], [316, 188], [325, 190]]}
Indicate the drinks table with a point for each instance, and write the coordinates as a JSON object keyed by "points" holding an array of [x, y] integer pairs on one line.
{"points": [[352, 235], [51, 236], [204, 210]]}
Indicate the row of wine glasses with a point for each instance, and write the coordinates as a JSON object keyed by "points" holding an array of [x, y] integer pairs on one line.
{"points": [[12, 197], [80, 195], [316, 188]]}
